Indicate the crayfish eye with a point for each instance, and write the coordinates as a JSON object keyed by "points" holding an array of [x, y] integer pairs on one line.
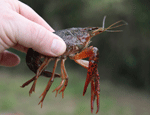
{"points": [[92, 28]]}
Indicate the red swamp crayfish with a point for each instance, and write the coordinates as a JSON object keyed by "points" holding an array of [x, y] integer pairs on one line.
{"points": [[77, 41]]}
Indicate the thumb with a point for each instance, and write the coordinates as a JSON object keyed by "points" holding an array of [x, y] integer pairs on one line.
{"points": [[29, 34], [35, 36]]}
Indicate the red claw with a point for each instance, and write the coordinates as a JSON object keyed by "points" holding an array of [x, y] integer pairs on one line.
{"points": [[92, 95], [88, 79], [92, 73]]}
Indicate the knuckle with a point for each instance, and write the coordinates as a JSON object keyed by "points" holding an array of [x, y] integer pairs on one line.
{"points": [[8, 22], [3, 45], [8, 15], [38, 33]]}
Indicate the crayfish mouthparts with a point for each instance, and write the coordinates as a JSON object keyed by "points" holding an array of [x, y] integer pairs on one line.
{"points": [[77, 41]]}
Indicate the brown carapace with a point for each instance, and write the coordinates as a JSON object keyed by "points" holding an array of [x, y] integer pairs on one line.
{"points": [[77, 41]]}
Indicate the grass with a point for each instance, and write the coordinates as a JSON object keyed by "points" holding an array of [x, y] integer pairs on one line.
{"points": [[114, 100]]}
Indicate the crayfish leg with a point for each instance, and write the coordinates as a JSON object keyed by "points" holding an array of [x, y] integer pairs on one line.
{"points": [[44, 73], [62, 77], [92, 53], [92, 95], [83, 63], [66, 80], [97, 88], [39, 71], [28, 82], [49, 83], [95, 92]]}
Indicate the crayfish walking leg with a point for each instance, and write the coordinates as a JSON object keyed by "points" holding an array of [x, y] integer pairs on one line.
{"points": [[49, 83], [39, 71], [64, 81], [34, 62]]}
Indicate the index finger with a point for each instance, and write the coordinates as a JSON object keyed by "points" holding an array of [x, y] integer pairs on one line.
{"points": [[30, 14]]}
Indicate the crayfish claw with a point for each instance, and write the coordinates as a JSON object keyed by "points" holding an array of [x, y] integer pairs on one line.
{"points": [[32, 88], [30, 92], [43, 96], [56, 92], [62, 93], [64, 87], [97, 110], [58, 88], [40, 95], [41, 102]]}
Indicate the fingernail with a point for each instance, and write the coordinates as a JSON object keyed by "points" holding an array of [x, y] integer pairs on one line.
{"points": [[58, 47]]}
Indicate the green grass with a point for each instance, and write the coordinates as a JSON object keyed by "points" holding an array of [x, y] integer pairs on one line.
{"points": [[114, 100]]}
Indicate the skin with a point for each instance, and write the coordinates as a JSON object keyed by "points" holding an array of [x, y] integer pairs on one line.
{"points": [[22, 28]]}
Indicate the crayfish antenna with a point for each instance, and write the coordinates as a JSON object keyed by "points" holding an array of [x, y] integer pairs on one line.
{"points": [[114, 25], [104, 22]]}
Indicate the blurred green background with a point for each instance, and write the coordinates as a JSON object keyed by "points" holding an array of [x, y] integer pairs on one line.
{"points": [[124, 64]]}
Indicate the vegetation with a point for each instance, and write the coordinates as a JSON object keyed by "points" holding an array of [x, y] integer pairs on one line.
{"points": [[117, 100]]}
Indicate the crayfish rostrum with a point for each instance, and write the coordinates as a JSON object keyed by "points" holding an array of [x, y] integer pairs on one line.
{"points": [[77, 41]]}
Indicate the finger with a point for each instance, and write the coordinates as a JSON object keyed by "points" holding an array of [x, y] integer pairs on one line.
{"points": [[30, 14], [9, 59], [32, 35], [20, 48]]}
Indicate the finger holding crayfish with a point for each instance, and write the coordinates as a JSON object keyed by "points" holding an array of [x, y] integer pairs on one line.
{"points": [[77, 41]]}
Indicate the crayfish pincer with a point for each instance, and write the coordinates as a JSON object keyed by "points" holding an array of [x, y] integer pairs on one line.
{"points": [[77, 41]]}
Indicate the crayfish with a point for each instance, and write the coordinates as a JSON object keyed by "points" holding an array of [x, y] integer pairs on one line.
{"points": [[77, 41]]}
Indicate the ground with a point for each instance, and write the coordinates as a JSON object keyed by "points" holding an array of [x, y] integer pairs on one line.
{"points": [[114, 99]]}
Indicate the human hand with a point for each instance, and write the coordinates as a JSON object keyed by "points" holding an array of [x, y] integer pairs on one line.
{"points": [[22, 28]]}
